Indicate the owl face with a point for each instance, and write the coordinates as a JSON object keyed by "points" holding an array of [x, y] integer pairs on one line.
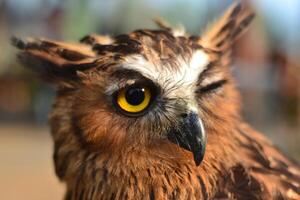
{"points": [[158, 91], [146, 88]]}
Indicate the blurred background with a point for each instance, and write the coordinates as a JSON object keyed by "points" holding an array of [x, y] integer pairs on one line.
{"points": [[267, 67]]}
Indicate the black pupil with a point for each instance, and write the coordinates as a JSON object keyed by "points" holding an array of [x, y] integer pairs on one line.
{"points": [[135, 96]]}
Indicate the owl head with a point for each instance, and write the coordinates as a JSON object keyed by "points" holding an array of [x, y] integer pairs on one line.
{"points": [[162, 88]]}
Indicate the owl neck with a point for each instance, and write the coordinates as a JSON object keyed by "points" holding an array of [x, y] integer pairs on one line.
{"points": [[156, 170], [136, 174]]}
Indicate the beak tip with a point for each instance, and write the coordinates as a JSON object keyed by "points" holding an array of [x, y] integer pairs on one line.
{"points": [[198, 158], [197, 162]]}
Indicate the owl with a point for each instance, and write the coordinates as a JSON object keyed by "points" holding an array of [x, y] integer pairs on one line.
{"points": [[155, 114]]}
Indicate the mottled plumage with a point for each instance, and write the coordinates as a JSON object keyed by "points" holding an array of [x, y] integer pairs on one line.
{"points": [[101, 153]]}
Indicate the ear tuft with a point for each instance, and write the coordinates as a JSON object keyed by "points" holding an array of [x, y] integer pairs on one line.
{"points": [[235, 10], [226, 30], [55, 62], [94, 39], [18, 43], [177, 31], [163, 24]]}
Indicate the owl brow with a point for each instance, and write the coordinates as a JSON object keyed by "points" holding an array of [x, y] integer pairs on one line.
{"points": [[211, 66], [127, 73], [133, 74]]}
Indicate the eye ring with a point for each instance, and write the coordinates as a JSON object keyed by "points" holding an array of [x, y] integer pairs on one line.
{"points": [[134, 100]]}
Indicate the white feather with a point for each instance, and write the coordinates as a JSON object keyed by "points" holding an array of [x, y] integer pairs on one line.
{"points": [[186, 75]]}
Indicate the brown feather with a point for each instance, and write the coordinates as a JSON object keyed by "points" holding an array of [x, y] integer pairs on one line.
{"points": [[221, 34]]}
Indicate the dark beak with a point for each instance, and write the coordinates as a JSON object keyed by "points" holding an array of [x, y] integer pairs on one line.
{"points": [[189, 134]]}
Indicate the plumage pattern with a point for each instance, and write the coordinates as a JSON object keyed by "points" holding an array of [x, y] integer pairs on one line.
{"points": [[101, 154]]}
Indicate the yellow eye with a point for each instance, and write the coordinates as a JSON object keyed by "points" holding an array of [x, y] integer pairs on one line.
{"points": [[134, 100]]}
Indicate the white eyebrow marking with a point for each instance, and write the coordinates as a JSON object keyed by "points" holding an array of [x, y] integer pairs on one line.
{"points": [[198, 64], [187, 74]]}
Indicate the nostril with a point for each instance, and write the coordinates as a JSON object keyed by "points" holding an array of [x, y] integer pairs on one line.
{"points": [[184, 115]]}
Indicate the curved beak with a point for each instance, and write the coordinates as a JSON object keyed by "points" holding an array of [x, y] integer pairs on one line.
{"points": [[189, 134]]}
